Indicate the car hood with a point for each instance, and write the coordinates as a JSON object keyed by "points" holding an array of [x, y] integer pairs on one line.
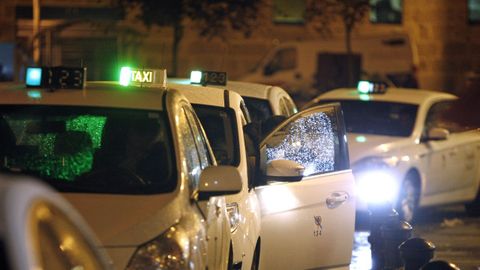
{"points": [[127, 220], [365, 145]]}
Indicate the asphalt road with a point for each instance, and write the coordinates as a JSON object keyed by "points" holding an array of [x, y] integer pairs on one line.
{"points": [[455, 235]]}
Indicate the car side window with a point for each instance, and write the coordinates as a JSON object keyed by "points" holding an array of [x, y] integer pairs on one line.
{"points": [[58, 244], [200, 140], [440, 115], [192, 165], [284, 59], [315, 140]]}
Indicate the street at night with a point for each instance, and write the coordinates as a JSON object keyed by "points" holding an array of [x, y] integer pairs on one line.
{"points": [[239, 134], [455, 235]]}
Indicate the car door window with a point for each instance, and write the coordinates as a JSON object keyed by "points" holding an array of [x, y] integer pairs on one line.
{"points": [[192, 164], [200, 140], [440, 115], [284, 59], [58, 244], [314, 139]]}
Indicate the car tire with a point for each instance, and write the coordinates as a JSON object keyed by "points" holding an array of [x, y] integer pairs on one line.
{"points": [[473, 208], [409, 196], [256, 258]]}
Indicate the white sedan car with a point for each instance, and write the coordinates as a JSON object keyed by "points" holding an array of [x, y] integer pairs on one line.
{"points": [[406, 148], [40, 230], [134, 160]]}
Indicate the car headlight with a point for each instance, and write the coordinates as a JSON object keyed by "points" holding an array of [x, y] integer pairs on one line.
{"points": [[168, 251], [376, 163], [376, 187], [233, 216]]}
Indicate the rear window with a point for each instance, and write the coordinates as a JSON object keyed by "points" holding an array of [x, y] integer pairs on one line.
{"points": [[85, 149], [378, 117], [259, 109]]}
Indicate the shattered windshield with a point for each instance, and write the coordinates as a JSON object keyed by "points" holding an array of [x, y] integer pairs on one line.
{"points": [[84, 149]]}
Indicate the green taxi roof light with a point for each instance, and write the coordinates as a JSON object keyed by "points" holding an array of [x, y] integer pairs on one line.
{"points": [[125, 76], [364, 87], [34, 76], [195, 76]]}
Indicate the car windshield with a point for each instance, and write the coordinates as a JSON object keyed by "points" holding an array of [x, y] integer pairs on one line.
{"points": [[221, 128], [85, 149], [259, 109], [378, 117]]}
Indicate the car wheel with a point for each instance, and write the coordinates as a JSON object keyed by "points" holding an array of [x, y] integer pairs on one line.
{"points": [[407, 203], [473, 208], [256, 258]]}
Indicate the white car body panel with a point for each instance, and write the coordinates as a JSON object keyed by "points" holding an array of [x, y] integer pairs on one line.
{"points": [[448, 169], [288, 223]]}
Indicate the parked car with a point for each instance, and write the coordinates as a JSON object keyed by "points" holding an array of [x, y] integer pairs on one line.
{"points": [[132, 157], [223, 115], [298, 176], [306, 67], [39, 229], [406, 147]]}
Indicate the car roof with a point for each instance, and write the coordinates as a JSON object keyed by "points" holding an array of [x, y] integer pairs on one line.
{"points": [[401, 95], [95, 94], [245, 89], [201, 94], [206, 95]]}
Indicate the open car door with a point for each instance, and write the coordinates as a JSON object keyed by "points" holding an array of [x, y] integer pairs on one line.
{"points": [[307, 193]]}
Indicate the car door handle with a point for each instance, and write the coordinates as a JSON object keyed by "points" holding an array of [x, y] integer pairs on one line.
{"points": [[336, 198]]}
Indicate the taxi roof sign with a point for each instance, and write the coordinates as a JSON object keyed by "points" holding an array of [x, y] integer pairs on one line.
{"points": [[208, 77], [58, 77], [368, 87], [143, 77]]}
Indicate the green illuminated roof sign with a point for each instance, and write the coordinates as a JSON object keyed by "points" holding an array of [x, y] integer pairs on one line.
{"points": [[143, 77]]}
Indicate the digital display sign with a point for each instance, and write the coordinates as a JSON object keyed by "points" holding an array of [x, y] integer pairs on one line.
{"points": [[208, 77], [56, 77]]}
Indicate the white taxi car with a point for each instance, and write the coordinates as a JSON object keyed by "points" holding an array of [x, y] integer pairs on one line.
{"points": [[133, 160], [405, 148], [302, 182], [40, 230], [223, 115]]}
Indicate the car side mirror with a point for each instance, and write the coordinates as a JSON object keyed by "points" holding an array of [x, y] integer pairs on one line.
{"points": [[282, 169], [218, 181], [437, 134]]}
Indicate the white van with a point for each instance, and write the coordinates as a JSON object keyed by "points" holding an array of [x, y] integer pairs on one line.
{"points": [[306, 67]]}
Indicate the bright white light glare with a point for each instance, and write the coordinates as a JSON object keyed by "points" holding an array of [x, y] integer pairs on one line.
{"points": [[364, 87], [195, 76], [376, 187], [276, 199]]}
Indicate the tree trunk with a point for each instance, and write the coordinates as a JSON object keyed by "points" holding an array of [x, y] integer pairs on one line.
{"points": [[177, 37], [348, 44]]}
